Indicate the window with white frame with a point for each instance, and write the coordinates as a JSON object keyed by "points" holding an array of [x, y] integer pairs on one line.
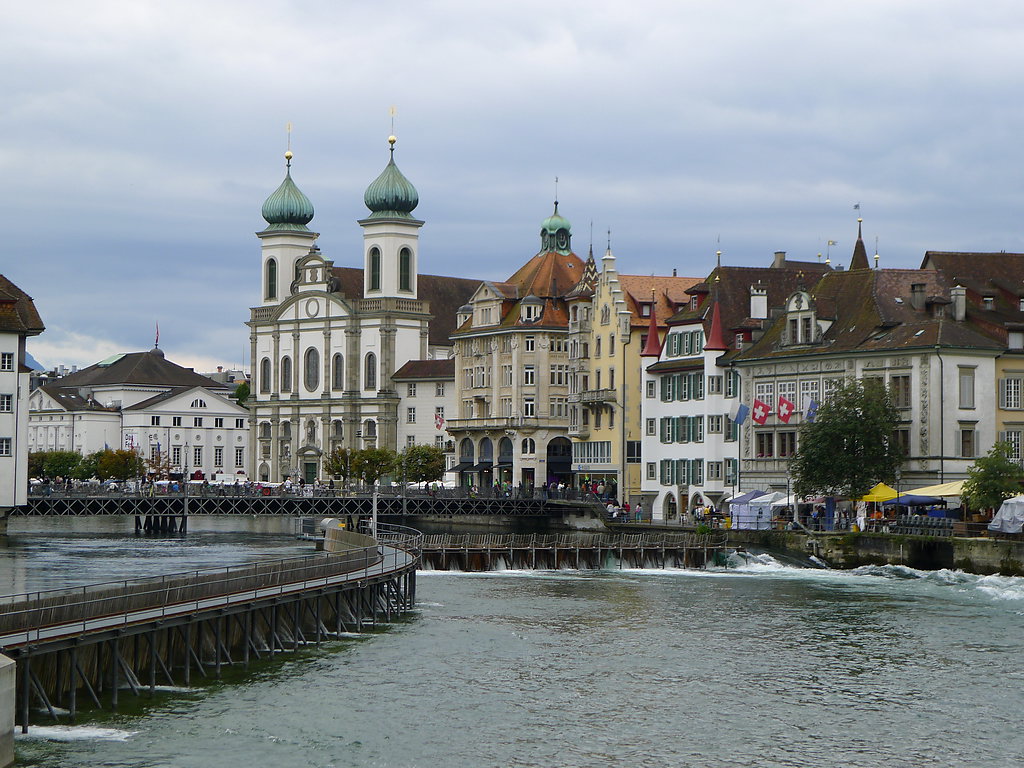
{"points": [[410, 441], [6, 363], [239, 457], [765, 392], [652, 389], [808, 392], [6, 403], [506, 406], [176, 455], [651, 426], [715, 424], [1010, 392], [410, 415], [529, 343], [1013, 437], [506, 375], [529, 376], [714, 470], [966, 377], [529, 407], [218, 456], [439, 389], [197, 421], [197, 456], [652, 470], [239, 423], [787, 389], [5, 446], [410, 390], [218, 422]]}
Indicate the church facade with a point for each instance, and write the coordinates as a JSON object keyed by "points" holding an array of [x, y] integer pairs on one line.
{"points": [[327, 340]]}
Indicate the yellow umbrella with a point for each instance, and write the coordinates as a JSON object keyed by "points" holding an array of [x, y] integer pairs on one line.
{"points": [[880, 492]]}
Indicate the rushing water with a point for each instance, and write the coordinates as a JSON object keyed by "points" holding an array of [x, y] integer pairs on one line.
{"points": [[760, 665]]}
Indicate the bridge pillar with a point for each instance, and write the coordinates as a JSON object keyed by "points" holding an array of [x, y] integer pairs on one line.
{"points": [[8, 705]]}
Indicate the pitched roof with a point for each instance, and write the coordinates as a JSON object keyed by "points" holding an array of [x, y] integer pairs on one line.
{"points": [[548, 274], [587, 281], [669, 293], [445, 294], [17, 312], [71, 400], [426, 369], [860, 253], [146, 368]]}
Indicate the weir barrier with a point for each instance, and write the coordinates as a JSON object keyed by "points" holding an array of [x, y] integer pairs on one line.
{"points": [[472, 552], [92, 643]]}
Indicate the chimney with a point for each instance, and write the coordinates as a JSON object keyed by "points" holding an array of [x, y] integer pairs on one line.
{"points": [[759, 302], [917, 295], [780, 260], [674, 272], [959, 296]]}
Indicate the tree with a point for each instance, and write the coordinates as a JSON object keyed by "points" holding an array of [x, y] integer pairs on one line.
{"points": [[850, 446], [371, 464], [88, 467], [421, 464], [61, 463], [338, 463], [242, 392], [159, 464], [992, 478], [36, 461], [118, 465]]}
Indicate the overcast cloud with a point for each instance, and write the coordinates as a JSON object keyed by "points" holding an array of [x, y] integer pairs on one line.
{"points": [[141, 138]]}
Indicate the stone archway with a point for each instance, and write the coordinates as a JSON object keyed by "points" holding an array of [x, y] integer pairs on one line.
{"points": [[668, 507], [559, 461]]}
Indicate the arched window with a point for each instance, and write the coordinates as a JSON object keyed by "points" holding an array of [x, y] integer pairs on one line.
{"points": [[286, 374], [370, 376], [374, 269], [265, 375], [529, 446], [370, 428], [271, 289], [265, 430], [337, 429], [338, 372], [198, 403], [311, 366], [286, 430], [405, 270]]}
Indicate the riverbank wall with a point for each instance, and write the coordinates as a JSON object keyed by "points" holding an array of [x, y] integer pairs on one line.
{"points": [[850, 550]]}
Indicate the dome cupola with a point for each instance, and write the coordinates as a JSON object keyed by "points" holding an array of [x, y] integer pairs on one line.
{"points": [[391, 195], [556, 233], [287, 208]]}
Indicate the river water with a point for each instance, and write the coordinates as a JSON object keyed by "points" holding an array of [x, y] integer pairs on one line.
{"points": [[758, 665]]}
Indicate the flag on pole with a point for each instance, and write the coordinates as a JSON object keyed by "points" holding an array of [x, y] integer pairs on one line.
{"points": [[811, 412], [760, 411], [739, 412], [785, 409]]}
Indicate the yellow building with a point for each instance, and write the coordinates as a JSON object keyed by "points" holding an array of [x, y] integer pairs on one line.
{"points": [[609, 319]]}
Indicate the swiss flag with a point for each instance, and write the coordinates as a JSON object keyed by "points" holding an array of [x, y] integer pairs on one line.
{"points": [[438, 421], [760, 411], [785, 409]]}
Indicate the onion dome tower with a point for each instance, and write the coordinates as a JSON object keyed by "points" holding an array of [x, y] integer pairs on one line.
{"points": [[390, 234], [287, 237], [556, 234]]}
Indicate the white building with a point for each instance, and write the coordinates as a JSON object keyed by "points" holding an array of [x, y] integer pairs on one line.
{"points": [[327, 340], [18, 321], [144, 402], [427, 390]]}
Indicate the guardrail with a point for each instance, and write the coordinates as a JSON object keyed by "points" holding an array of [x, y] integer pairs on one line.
{"points": [[25, 617], [574, 541]]}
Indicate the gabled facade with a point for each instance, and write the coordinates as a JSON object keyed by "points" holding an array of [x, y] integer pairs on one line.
{"points": [[511, 370], [691, 444], [610, 318], [18, 320], [327, 340], [910, 329]]}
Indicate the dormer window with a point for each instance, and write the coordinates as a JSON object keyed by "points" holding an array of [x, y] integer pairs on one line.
{"points": [[694, 302], [645, 309], [988, 302], [801, 320]]}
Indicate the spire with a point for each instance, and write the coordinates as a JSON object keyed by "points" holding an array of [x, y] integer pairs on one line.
{"points": [[860, 253], [716, 341], [653, 346]]}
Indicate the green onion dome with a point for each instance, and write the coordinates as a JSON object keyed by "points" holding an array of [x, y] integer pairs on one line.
{"points": [[555, 222], [287, 208], [391, 195]]}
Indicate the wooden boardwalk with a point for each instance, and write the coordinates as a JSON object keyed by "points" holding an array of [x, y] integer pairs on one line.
{"points": [[580, 551]]}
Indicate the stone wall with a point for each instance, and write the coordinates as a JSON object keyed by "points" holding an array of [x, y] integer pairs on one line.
{"points": [[7, 707]]}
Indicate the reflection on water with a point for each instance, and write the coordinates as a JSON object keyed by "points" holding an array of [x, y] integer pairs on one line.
{"points": [[50, 552]]}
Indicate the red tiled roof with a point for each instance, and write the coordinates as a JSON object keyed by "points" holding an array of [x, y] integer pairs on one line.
{"points": [[426, 369]]}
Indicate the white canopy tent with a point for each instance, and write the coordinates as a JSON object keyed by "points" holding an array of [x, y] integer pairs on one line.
{"points": [[1010, 517]]}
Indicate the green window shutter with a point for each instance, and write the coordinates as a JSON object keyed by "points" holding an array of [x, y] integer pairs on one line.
{"points": [[698, 341]]}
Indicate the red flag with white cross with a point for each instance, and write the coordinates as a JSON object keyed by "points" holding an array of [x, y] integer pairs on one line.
{"points": [[785, 409], [760, 411]]}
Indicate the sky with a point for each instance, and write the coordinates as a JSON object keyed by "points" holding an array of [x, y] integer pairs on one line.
{"points": [[138, 141]]}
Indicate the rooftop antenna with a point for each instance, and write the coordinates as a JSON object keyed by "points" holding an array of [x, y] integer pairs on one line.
{"points": [[556, 192], [288, 148], [609, 238], [876, 251], [157, 342]]}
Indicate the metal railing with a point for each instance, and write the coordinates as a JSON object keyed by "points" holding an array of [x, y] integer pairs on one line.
{"points": [[26, 617], [574, 541]]}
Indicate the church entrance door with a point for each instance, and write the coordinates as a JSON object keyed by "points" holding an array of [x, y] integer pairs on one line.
{"points": [[309, 471]]}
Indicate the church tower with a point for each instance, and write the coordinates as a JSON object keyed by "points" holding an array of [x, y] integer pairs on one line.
{"points": [[286, 239], [390, 235]]}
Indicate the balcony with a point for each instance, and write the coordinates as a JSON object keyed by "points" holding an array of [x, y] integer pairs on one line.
{"points": [[598, 396], [480, 423], [579, 326], [579, 431]]}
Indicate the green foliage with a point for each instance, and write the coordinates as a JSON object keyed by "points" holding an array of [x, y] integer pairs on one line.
{"points": [[118, 465], [371, 464], [53, 463], [242, 392], [88, 467], [992, 478], [850, 446], [421, 463], [337, 463]]}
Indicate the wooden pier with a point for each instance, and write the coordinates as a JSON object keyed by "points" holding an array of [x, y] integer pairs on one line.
{"points": [[468, 552], [94, 643]]}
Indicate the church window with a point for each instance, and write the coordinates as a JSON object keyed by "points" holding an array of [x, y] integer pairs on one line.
{"points": [[271, 292], [374, 269], [338, 372], [265, 375], [405, 270], [312, 368], [265, 430], [286, 430], [286, 374], [337, 429], [370, 376], [370, 428]]}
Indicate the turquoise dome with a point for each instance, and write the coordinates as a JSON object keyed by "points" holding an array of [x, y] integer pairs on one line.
{"points": [[391, 194], [555, 222], [287, 208]]}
